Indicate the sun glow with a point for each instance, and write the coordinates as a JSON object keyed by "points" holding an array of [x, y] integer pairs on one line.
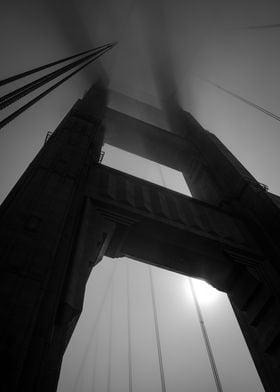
{"points": [[204, 292]]}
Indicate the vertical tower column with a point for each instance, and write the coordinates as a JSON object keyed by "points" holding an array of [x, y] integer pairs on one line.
{"points": [[41, 248], [215, 176]]}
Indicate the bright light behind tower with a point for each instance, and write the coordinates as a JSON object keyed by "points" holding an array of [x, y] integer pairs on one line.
{"points": [[204, 292]]}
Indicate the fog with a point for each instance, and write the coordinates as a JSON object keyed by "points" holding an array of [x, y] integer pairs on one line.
{"points": [[169, 52]]}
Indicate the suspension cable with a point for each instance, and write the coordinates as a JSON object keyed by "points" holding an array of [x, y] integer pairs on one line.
{"points": [[129, 346], [206, 340], [110, 338], [94, 362], [19, 93], [96, 323], [16, 113], [201, 321], [159, 351], [267, 112], [41, 68], [271, 26]]}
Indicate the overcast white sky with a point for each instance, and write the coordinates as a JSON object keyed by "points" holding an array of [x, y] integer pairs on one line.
{"points": [[203, 40]]}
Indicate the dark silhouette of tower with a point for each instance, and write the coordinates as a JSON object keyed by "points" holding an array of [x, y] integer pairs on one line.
{"points": [[68, 210]]}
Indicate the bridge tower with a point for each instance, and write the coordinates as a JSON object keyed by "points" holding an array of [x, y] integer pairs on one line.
{"points": [[68, 210]]}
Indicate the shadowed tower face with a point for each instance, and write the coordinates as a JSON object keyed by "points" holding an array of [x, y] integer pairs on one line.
{"points": [[68, 211]]}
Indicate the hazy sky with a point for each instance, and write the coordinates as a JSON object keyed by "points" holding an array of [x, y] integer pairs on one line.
{"points": [[205, 39], [194, 40]]}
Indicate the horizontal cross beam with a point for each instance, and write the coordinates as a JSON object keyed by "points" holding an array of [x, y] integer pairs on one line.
{"points": [[167, 229]]}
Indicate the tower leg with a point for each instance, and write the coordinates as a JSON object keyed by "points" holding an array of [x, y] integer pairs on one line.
{"points": [[40, 222]]}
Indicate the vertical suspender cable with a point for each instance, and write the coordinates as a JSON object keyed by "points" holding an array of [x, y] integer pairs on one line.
{"points": [[110, 339], [95, 325], [129, 347], [159, 351], [161, 369], [161, 175], [202, 324], [206, 340], [94, 362]]}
